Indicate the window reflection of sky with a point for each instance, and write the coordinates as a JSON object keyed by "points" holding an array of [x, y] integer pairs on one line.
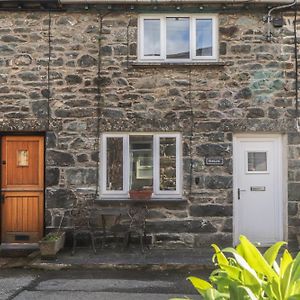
{"points": [[152, 37], [178, 38], [203, 37]]}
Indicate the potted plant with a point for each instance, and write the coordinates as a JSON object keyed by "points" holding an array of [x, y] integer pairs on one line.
{"points": [[140, 192], [52, 242]]}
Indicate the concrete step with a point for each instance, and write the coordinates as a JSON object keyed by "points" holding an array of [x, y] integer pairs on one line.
{"points": [[17, 249], [153, 259]]}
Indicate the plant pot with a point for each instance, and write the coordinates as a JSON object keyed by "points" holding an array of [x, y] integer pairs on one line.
{"points": [[140, 194], [49, 247]]}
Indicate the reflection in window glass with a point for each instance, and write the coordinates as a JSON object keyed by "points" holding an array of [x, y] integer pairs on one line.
{"points": [[167, 167], [114, 180], [204, 37], [257, 161], [151, 37], [178, 38], [141, 162], [23, 158]]}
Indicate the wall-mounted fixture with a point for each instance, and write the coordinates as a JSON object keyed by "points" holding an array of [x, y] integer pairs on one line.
{"points": [[277, 22], [269, 19]]}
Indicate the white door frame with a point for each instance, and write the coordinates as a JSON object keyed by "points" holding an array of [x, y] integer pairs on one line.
{"points": [[282, 205]]}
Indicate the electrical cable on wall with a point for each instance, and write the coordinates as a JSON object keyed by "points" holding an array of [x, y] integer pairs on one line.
{"points": [[296, 69], [48, 72], [268, 18], [127, 41], [191, 133], [97, 144], [100, 102]]}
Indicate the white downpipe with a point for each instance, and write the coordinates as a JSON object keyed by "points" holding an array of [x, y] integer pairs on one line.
{"points": [[156, 2]]}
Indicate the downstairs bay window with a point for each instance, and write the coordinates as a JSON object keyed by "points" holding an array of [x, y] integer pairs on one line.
{"points": [[142, 161]]}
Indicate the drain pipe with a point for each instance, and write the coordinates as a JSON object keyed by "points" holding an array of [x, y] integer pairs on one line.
{"points": [[269, 17], [296, 72]]}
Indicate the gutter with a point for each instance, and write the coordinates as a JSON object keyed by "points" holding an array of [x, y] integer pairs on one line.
{"points": [[156, 2]]}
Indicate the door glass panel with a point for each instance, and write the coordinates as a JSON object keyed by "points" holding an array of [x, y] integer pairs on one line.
{"points": [[167, 166], [257, 161], [204, 37], [114, 163], [141, 162], [152, 37], [178, 38], [23, 158]]}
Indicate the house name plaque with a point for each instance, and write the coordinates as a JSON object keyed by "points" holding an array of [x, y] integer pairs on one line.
{"points": [[214, 161]]}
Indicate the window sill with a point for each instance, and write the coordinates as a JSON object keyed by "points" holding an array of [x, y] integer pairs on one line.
{"points": [[178, 64], [150, 201]]}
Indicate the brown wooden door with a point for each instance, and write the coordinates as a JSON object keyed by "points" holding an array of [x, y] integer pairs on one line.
{"points": [[22, 205]]}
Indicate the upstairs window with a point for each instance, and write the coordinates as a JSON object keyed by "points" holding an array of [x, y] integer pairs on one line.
{"points": [[178, 38], [144, 160]]}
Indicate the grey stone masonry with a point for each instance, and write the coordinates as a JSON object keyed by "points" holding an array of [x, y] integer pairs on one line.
{"points": [[252, 91]]}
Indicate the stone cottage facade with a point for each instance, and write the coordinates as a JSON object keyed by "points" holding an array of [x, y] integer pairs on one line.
{"points": [[73, 73]]}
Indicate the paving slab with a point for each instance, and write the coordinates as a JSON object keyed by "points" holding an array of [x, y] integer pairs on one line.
{"points": [[9, 286], [97, 284], [63, 295], [100, 285]]}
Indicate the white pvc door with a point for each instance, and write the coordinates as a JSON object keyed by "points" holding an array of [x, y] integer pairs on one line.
{"points": [[258, 189]]}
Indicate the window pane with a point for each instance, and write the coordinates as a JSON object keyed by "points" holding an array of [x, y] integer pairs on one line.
{"points": [[23, 158], [114, 179], [151, 37], [167, 171], [178, 38], [204, 37], [257, 161], [141, 162]]}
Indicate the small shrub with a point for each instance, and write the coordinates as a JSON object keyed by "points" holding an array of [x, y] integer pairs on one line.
{"points": [[52, 236], [248, 274]]}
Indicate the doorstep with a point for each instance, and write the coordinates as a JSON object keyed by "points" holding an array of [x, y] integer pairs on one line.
{"points": [[15, 255], [153, 259], [17, 249]]}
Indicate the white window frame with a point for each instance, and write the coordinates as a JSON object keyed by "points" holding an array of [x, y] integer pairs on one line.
{"points": [[193, 56], [257, 172], [103, 159], [141, 37], [124, 194], [156, 165]]}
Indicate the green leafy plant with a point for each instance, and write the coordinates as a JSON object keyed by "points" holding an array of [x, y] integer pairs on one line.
{"points": [[248, 274], [52, 236]]}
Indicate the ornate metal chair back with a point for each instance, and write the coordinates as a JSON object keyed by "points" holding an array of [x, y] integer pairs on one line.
{"points": [[81, 215], [137, 215]]}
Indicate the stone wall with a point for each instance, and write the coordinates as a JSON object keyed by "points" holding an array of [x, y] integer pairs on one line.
{"points": [[252, 92]]}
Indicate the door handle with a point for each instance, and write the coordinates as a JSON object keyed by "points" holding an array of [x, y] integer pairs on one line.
{"points": [[239, 193]]}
